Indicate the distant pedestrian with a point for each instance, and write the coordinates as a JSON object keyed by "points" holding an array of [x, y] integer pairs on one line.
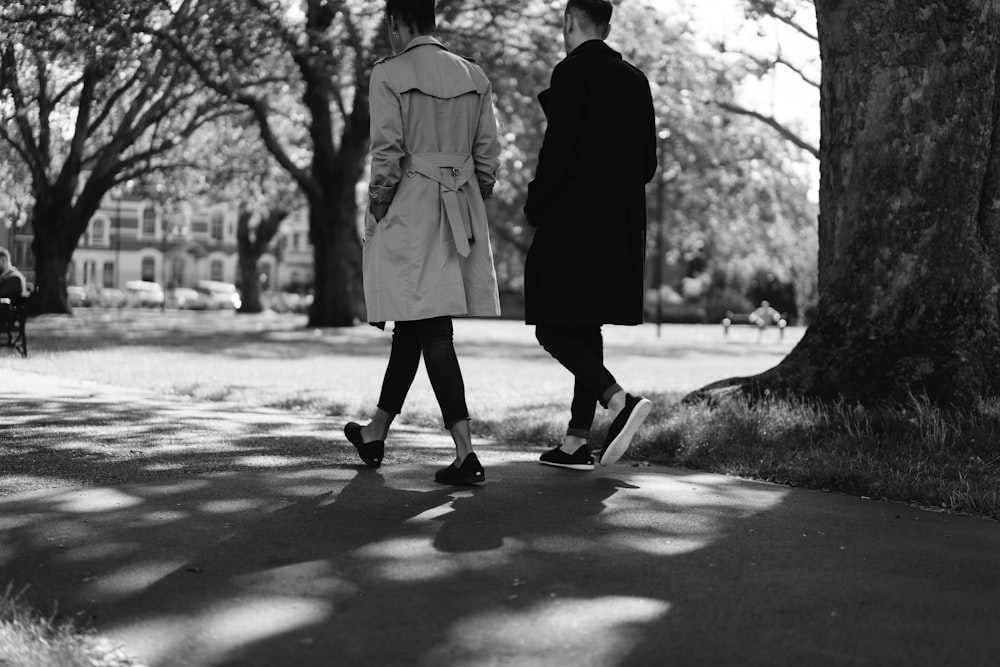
{"points": [[13, 286], [587, 200], [427, 255]]}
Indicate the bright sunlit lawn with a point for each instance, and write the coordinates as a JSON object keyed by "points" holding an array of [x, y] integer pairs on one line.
{"points": [[519, 396], [275, 361]]}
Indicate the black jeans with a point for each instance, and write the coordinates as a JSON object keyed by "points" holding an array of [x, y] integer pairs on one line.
{"points": [[435, 338], [581, 350]]}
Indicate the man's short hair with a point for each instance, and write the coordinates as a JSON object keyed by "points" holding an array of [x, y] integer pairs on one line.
{"points": [[5, 253], [598, 12], [418, 14]]}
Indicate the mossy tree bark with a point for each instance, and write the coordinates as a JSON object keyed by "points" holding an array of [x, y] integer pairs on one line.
{"points": [[909, 208]]}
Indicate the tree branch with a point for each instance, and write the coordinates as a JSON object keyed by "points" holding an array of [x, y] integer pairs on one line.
{"points": [[261, 114], [766, 65], [8, 62], [801, 73], [113, 99], [768, 8], [45, 106], [773, 123]]}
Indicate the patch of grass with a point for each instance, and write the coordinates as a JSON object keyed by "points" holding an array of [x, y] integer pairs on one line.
{"points": [[918, 452], [28, 639]]}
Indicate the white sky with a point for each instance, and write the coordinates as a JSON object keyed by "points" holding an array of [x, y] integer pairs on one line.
{"points": [[781, 94]]}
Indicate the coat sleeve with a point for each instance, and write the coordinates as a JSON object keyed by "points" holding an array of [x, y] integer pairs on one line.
{"points": [[650, 158], [564, 110], [387, 149], [486, 150]]}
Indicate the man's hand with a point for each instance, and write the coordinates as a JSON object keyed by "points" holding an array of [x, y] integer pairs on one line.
{"points": [[379, 210]]}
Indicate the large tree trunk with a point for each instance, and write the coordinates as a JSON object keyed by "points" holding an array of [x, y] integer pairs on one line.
{"points": [[249, 282], [250, 251], [909, 207], [339, 300], [53, 224]]}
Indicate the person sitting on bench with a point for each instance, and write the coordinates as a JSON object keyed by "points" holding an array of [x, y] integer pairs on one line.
{"points": [[764, 317], [13, 286]]}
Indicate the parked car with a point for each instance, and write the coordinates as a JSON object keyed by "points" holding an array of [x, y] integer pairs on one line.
{"points": [[186, 298], [144, 293], [77, 296], [219, 294], [109, 297]]}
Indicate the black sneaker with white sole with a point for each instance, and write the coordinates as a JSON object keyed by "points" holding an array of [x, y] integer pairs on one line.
{"points": [[624, 427], [470, 472], [581, 459]]}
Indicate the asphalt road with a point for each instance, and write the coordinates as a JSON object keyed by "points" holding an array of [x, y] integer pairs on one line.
{"points": [[199, 533]]}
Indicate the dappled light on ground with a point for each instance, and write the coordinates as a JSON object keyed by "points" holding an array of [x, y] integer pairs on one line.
{"points": [[211, 567], [598, 631], [229, 534]]}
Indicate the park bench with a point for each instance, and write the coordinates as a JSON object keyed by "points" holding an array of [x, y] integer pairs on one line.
{"points": [[13, 317], [743, 319], [13, 321]]}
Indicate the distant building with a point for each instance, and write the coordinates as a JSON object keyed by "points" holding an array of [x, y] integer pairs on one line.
{"points": [[296, 267], [133, 239]]}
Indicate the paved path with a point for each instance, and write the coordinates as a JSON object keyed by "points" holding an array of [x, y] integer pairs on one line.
{"points": [[205, 534]]}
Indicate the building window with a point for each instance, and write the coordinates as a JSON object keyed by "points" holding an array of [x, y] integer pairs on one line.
{"points": [[148, 221], [97, 232], [217, 221], [177, 272], [216, 269], [296, 240], [109, 274], [148, 269], [89, 271]]}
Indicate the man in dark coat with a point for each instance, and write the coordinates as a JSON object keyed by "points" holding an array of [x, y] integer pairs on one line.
{"points": [[588, 203]]}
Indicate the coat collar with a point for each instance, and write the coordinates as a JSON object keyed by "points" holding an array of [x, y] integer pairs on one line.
{"points": [[423, 40], [594, 46]]}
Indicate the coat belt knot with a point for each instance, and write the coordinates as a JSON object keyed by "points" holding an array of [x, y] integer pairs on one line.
{"points": [[450, 171]]}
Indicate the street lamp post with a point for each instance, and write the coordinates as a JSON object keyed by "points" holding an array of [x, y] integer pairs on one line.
{"points": [[163, 258], [118, 240]]}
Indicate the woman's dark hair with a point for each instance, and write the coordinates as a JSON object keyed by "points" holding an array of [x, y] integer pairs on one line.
{"points": [[418, 14]]}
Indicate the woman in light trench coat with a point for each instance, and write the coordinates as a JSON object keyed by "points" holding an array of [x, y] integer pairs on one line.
{"points": [[427, 255]]}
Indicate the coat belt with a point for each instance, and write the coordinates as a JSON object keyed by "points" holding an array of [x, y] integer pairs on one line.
{"points": [[450, 171]]}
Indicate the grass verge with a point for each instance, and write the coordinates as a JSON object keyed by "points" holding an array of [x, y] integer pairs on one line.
{"points": [[917, 453], [28, 639]]}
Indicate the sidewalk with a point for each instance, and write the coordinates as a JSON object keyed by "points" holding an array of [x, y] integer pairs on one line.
{"points": [[206, 534]]}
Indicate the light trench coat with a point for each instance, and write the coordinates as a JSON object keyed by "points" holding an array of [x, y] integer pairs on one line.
{"points": [[433, 143]]}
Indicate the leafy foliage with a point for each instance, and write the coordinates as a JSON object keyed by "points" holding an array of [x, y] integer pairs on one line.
{"points": [[90, 98]]}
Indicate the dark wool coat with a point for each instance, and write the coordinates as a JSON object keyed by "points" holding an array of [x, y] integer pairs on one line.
{"points": [[588, 199]]}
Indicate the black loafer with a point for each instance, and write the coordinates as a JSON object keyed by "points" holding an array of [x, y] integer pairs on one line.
{"points": [[370, 452], [470, 472]]}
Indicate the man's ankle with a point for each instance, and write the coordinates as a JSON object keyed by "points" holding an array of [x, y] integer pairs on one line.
{"points": [[571, 443], [617, 402]]}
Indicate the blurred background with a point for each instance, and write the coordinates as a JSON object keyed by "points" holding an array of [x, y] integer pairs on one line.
{"points": [[211, 154]]}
